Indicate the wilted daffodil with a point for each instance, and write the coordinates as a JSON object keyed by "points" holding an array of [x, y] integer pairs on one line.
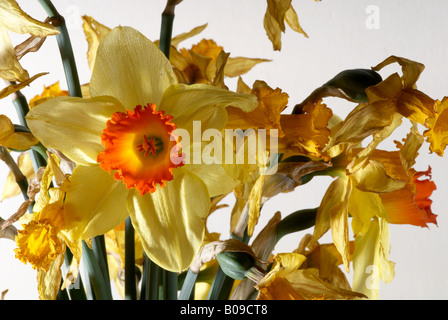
{"points": [[207, 62], [43, 239], [128, 155], [289, 280], [13, 18], [383, 184]]}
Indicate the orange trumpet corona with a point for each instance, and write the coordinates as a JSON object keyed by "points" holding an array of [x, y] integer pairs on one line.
{"points": [[138, 146]]}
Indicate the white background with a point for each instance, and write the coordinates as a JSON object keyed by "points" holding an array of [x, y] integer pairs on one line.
{"points": [[338, 39]]}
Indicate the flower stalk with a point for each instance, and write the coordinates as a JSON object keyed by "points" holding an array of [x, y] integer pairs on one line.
{"points": [[65, 49]]}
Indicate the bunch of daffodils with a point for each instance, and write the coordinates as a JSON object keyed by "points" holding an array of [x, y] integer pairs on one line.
{"points": [[119, 175]]}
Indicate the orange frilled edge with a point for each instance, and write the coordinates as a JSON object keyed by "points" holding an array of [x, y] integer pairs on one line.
{"points": [[141, 148], [412, 204]]}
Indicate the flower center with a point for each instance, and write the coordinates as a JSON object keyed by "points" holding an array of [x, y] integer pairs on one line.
{"points": [[139, 147]]}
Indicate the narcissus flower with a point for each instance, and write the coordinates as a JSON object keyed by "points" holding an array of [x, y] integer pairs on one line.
{"points": [[288, 280], [42, 240], [380, 185], [124, 144]]}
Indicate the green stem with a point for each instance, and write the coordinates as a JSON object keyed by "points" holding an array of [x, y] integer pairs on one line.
{"points": [[99, 250], [154, 271], [129, 271], [166, 33], [188, 285], [65, 49], [21, 105], [171, 286], [100, 288]]}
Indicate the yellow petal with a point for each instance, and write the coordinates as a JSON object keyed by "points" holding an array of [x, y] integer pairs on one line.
{"points": [[370, 259], [130, 68], [240, 65], [49, 282], [267, 114], [187, 35], [10, 68], [48, 92], [273, 30], [411, 69], [183, 101], [363, 206], [15, 140], [95, 203], [371, 176], [19, 141], [278, 9], [292, 20], [309, 284], [217, 180], [255, 204], [94, 33], [25, 165], [333, 213], [15, 87], [73, 125], [308, 133], [170, 221], [363, 121], [6, 127], [16, 20], [409, 151]]}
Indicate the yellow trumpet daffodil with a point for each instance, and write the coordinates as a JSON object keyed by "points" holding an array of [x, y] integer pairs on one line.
{"points": [[43, 239], [123, 141]]}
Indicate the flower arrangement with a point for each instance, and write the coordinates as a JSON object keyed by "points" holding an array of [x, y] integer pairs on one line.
{"points": [[120, 175]]}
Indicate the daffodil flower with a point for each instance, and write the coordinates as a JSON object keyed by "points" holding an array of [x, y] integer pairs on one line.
{"points": [[382, 186], [291, 279], [42, 240], [122, 140]]}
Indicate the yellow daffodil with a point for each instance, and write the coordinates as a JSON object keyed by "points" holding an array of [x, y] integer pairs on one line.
{"points": [[120, 141], [389, 102], [13, 18], [378, 188], [49, 92], [42, 239], [15, 140], [203, 63]]}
